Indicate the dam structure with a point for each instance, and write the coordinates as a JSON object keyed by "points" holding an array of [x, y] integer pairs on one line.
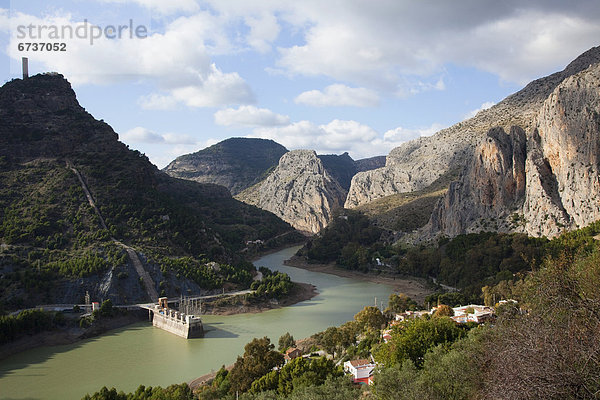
{"points": [[184, 325]]}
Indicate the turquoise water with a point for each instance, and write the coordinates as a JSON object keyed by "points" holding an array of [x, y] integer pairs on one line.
{"points": [[140, 354]]}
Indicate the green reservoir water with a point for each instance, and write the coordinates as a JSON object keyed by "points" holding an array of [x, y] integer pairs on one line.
{"points": [[141, 354]]}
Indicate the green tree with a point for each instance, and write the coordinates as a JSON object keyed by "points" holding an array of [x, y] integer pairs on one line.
{"points": [[370, 318], [443, 311], [398, 303], [259, 358], [412, 339], [286, 341]]}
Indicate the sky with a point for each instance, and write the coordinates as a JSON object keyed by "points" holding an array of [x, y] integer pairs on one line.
{"points": [[175, 76]]}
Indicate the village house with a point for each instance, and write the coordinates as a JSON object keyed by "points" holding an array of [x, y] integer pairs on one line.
{"points": [[473, 313], [361, 370], [410, 315], [292, 353]]}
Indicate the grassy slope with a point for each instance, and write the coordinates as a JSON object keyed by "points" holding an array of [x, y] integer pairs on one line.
{"points": [[408, 211]]}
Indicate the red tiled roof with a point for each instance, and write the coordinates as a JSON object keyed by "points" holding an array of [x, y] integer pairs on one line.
{"points": [[358, 363]]}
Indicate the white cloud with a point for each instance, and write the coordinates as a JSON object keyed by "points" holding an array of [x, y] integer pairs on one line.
{"points": [[339, 95], [484, 106], [161, 149], [141, 135], [250, 116], [377, 44], [155, 101], [338, 136], [264, 29], [177, 61]]}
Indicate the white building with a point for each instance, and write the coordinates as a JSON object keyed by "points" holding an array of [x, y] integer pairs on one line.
{"points": [[360, 370], [472, 313]]}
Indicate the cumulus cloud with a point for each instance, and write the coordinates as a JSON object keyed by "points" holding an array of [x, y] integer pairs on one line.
{"points": [[141, 135], [162, 148], [339, 95], [378, 44], [338, 136], [177, 61], [250, 116]]}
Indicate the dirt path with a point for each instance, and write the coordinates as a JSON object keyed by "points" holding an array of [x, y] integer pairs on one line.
{"points": [[131, 253]]}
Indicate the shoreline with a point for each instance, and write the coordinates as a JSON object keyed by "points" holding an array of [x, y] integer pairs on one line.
{"points": [[74, 334], [301, 292], [415, 288], [69, 335]]}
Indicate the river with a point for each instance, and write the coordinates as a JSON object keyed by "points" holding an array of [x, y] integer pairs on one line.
{"points": [[141, 354]]}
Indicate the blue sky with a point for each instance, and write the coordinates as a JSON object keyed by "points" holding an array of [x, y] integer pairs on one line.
{"points": [[334, 76]]}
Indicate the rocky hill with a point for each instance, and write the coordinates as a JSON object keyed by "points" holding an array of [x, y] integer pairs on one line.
{"points": [[418, 163], [540, 178], [300, 191], [235, 163], [81, 212], [247, 168]]}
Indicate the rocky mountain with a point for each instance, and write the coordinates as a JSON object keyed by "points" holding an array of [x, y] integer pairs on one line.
{"points": [[79, 211], [244, 165], [300, 191], [235, 163], [418, 163], [367, 164], [541, 178]]}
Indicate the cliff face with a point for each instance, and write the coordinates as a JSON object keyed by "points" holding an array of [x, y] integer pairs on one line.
{"points": [[494, 184], [235, 163], [300, 191], [563, 183], [417, 164], [541, 178]]}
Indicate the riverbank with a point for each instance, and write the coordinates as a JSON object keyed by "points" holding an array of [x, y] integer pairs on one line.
{"points": [[242, 305], [70, 334], [415, 288]]}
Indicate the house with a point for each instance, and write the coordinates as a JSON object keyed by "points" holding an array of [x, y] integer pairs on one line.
{"points": [[387, 335], [473, 313], [408, 314], [361, 370], [292, 353]]}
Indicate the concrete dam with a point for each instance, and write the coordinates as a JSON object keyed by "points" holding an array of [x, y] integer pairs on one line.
{"points": [[184, 325]]}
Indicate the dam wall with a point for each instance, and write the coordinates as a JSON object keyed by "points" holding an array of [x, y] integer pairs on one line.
{"points": [[183, 325]]}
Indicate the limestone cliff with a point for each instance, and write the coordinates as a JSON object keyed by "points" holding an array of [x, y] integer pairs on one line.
{"points": [[417, 164], [300, 191], [542, 177]]}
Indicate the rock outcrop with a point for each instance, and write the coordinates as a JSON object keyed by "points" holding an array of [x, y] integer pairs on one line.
{"points": [[300, 191], [541, 178], [417, 164], [235, 163]]}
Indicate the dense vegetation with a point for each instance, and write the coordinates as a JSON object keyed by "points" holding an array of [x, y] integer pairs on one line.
{"points": [[173, 392], [546, 346], [272, 285], [28, 321], [468, 262], [349, 239]]}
